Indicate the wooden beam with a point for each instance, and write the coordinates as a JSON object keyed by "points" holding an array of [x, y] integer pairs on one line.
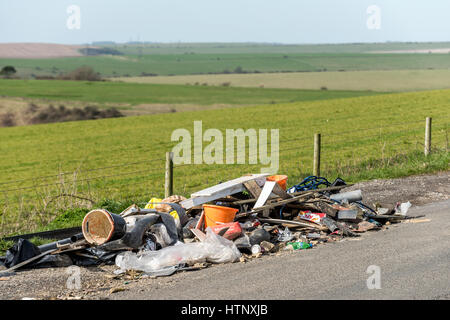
{"points": [[253, 188], [305, 224], [280, 192], [219, 191]]}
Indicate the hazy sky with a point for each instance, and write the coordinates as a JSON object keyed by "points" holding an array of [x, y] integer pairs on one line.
{"points": [[282, 21]]}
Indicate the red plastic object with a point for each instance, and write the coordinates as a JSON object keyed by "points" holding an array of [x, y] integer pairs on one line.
{"points": [[233, 232]]}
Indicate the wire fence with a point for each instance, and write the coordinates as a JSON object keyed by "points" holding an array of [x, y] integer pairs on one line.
{"points": [[26, 203]]}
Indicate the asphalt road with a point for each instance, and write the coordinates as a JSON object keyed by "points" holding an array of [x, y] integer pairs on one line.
{"points": [[413, 260]]}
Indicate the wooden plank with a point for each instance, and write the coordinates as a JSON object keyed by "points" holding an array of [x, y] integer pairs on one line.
{"points": [[201, 221], [219, 191], [240, 202], [305, 224], [253, 188], [199, 234], [277, 190], [282, 202], [226, 185], [273, 205], [196, 201]]}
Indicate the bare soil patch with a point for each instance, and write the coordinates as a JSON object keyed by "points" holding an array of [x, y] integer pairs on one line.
{"points": [[38, 50]]}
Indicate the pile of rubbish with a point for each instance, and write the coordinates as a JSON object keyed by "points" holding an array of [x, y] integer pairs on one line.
{"points": [[233, 221]]}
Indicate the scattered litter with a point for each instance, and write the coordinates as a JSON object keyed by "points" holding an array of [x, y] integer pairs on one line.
{"points": [[314, 235], [259, 235], [118, 289], [347, 214], [403, 208], [298, 245], [267, 246], [237, 220], [256, 249], [365, 226], [417, 220], [285, 236]]}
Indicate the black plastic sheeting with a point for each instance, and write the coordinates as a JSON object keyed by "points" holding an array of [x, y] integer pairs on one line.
{"points": [[24, 250], [21, 251]]}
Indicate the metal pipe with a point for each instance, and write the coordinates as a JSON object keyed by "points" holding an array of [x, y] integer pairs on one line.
{"points": [[351, 196], [54, 245]]}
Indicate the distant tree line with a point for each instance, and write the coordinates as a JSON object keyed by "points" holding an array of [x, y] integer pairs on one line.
{"points": [[100, 51], [8, 71]]}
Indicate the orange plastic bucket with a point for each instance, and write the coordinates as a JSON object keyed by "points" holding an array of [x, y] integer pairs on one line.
{"points": [[280, 179], [215, 215]]}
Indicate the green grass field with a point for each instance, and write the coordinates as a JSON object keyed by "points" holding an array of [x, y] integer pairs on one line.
{"points": [[390, 80], [363, 138], [215, 48], [135, 94], [183, 64]]}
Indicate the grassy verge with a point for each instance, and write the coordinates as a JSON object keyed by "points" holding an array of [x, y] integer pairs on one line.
{"points": [[402, 165]]}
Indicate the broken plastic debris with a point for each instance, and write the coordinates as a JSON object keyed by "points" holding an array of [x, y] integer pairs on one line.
{"points": [[403, 208]]}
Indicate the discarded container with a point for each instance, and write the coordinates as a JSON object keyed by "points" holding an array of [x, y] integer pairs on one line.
{"points": [[215, 215], [234, 230], [256, 249], [100, 226], [313, 217], [298, 245], [280, 179]]}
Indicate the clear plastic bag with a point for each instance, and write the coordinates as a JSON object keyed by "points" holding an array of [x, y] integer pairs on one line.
{"points": [[214, 248]]}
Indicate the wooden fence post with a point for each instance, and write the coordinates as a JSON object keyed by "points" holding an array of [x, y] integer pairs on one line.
{"points": [[427, 136], [316, 165], [168, 187]]}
